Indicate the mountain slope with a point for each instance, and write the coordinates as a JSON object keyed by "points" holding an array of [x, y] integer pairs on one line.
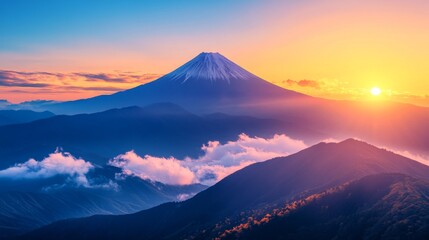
{"points": [[29, 204], [206, 84], [21, 116], [255, 187], [383, 206], [158, 130]]}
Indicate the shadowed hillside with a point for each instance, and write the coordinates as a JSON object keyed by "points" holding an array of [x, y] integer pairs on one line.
{"points": [[258, 186]]}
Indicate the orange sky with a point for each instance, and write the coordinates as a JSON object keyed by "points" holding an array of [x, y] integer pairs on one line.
{"points": [[341, 48]]}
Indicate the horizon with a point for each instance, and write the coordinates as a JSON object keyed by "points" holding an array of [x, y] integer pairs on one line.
{"points": [[244, 119], [327, 49]]}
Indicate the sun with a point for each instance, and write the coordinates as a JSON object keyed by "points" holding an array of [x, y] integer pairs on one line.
{"points": [[375, 91]]}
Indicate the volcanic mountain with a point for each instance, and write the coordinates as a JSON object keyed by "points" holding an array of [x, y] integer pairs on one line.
{"points": [[208, 83], [252, 189], [211, 83]]}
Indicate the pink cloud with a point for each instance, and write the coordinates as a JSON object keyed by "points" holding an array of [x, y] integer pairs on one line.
{"points": [[64, 86], [219, 160], [165, 170]]}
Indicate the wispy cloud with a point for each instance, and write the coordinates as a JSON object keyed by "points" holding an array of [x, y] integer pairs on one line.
{"points": [[13, 79], [303, 83], [219, 160], [26, 85], [128, 77]]}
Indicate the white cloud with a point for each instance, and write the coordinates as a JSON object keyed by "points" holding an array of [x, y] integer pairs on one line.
{"points": [[165, 170], [57, 163], [330, 140], [417, 157], [219, 160], [184, 196]]}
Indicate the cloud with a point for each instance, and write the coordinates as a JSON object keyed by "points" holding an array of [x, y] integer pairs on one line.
{"points": [[184, 196], [127, 77], [303, 83], [165, 170], [219, 160], [419, 158], [331, 140], [17, 78], [14, 79], [64, 86], [57, 163], [35, 105], [103, 89]]}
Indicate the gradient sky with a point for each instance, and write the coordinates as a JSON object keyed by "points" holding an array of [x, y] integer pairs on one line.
{"points": [[328, 48]]}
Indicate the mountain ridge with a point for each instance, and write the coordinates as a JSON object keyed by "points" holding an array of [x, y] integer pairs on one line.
{"points": [[207, 83], [257, 186], [162, 129], [381, 206]]}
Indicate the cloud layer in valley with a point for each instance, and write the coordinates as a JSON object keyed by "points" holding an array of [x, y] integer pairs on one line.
{"points": [[57, 163], [219, 160]]}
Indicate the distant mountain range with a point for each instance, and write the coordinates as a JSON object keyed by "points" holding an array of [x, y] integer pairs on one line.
{"points": [[21, 116], [210, 98], [31, 203], [262, 187], [211, 83], [160, 130]]}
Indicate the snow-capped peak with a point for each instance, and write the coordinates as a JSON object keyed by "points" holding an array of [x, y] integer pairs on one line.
{"points": [[212, 67]]}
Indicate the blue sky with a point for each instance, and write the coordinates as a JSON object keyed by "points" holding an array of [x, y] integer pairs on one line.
{"points": [[28, 24]]}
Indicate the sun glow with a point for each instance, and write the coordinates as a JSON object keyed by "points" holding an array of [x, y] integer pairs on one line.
{"points": [[375, 91]]}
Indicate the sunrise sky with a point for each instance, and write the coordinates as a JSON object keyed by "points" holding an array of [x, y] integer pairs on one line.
{"points": [[65, 50]]}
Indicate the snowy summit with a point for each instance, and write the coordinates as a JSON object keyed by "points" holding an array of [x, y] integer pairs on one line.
{"points": [[212, 67]]}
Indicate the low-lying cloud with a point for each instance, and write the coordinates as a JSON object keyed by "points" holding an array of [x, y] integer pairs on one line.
{"points": [[57, 163], [165, 170], [219, 160]]}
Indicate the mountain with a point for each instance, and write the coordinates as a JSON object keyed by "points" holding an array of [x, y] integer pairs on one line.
{"points": [[255, 188], [21, 116], [382, 206], [29, 204], [206, 84], [211, 83], [33, 105], [162, 129]]}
